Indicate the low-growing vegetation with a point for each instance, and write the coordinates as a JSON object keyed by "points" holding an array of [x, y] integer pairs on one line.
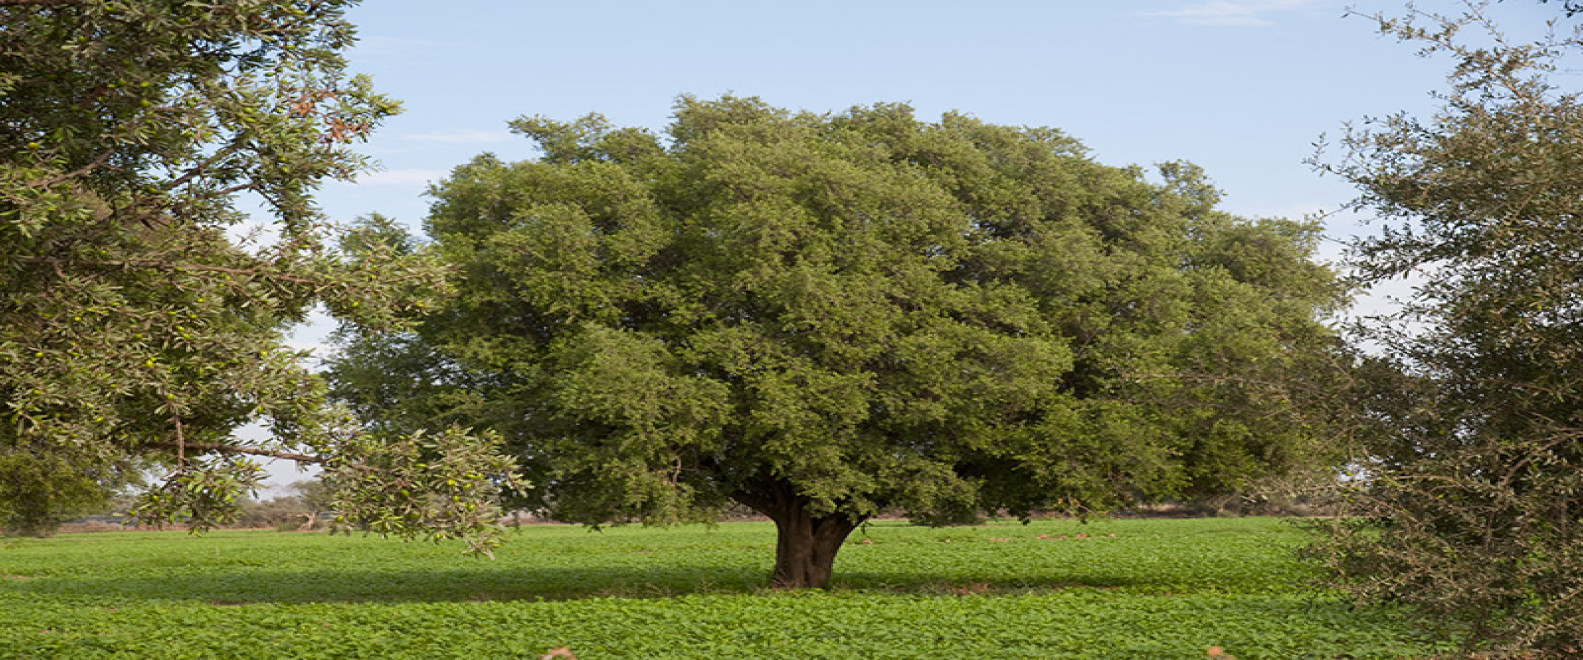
{"points": [[1051, 589]]}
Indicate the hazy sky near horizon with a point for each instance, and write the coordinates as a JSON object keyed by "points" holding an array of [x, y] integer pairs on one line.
{"points": [[1244, 88]]}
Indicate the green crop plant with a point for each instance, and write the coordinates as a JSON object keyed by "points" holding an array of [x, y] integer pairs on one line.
{"points": [[1051, 589]]}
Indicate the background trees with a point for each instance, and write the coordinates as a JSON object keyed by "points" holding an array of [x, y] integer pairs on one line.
{"points": [[823, 317], [1476, 496], [138, 324]]}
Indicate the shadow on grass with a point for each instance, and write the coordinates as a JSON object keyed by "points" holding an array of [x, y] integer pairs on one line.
{"points": [[504, 584], [927, 584]]}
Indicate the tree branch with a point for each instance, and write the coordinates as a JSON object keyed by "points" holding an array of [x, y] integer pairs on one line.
{"points": [[161, 265], [97, 162], [1507, 383], [181, 443], [256, 451], [239, 449]]}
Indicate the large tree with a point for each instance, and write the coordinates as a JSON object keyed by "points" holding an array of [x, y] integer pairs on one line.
{"points": [[1472, 512], [829, 317], [139, 325]]}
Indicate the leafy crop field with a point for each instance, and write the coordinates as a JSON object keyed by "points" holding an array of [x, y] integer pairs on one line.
{"points": [[1052, 589]]}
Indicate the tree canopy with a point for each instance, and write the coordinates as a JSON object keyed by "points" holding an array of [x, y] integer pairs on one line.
{"points": [[140, 324], [1472, 514], [830, 317]]}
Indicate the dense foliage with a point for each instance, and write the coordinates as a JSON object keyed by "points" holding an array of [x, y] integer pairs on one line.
{"points": [[1472, 512], [823, 317], [1156, 589], [139, 323]]}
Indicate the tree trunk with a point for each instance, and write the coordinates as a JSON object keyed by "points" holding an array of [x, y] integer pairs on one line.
{"points": [[805, 545]]}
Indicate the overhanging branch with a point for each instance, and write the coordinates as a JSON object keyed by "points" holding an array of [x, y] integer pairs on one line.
{"points": [[239, 449], [260, 452], [162, 265], [95, 164]]}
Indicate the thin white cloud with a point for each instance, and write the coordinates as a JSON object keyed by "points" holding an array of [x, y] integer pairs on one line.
{"points": [[1233, 13], [463, 136], [413, 177]]}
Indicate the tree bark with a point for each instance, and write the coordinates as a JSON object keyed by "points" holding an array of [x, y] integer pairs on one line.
{"points": [[805, 544]]}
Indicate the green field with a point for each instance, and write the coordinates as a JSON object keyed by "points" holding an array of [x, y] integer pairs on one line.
{"points": [[1130, 589]]}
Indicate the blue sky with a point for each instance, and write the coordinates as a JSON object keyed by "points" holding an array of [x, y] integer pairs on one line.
{"points": [[1244, 88], [1241, 87]]}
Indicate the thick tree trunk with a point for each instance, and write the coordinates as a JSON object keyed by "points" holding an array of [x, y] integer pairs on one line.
{"points": [[805, 545], [805, 548]]}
